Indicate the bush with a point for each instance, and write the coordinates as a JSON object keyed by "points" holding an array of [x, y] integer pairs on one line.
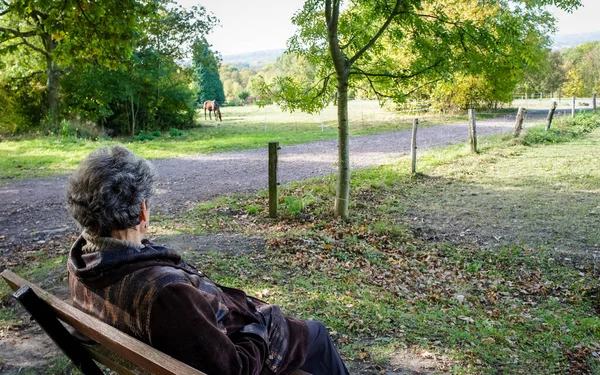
{"points": [[564, 129], [148, 136], [21, 107], [174, 132]]}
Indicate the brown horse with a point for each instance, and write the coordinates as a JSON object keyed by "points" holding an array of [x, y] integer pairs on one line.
{"points": [[212, 105]]}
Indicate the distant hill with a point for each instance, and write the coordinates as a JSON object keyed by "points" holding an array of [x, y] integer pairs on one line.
{"points": [[258, 59], [572, 40], [254, 60]]}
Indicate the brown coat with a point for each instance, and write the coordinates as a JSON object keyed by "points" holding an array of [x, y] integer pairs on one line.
{"points": [[150, 293]]}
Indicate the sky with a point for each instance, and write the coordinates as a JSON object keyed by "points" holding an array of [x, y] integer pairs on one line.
{"points": [[248, 26], [584, 20]]}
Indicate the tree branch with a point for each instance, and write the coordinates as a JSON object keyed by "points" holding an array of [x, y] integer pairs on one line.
{"points": [[32, 74], [5, 48], [423, 85], [37, 49], [325, 81], [377, 93], [394, 13], [397, 76], [348, 44], [18, 33], [332, 15]]}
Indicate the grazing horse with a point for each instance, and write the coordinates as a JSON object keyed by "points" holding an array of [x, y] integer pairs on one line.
{"points": [[212, 105]]}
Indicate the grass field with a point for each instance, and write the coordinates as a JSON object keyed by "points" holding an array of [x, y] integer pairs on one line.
{"points": [[242, 128], [480, 300], [458, 264]]}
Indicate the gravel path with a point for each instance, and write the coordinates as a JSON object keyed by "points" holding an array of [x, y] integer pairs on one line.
{"points": [[32, 210]]}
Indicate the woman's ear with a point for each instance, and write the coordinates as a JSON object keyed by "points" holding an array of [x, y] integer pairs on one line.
{"points": [[144, 214]]}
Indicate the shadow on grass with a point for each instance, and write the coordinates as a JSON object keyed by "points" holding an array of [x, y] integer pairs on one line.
{"points": [[528, 210]]}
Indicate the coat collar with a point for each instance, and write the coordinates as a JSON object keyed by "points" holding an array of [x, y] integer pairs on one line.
{"points": [[114, 262]]}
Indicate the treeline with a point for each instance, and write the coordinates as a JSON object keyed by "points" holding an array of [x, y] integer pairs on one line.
{"points": [[104, 68], [247, 86], [119, 67], [556, 73]]}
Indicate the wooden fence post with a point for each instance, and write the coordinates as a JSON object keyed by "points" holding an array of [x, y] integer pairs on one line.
{"points": [[519, 122], [594, 102], [573, 108], [550, 115], [413, 147], [273, 195], [472, 131]]}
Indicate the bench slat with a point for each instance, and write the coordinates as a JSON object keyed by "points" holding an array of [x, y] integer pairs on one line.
{"points": [[143, 355]]}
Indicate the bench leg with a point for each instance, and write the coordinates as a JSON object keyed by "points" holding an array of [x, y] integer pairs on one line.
{"points": [[46, 318]]}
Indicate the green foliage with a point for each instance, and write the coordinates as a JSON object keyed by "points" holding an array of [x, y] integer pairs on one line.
{"points": [[253, 209], [583, 64], [564, 129], [295, 205], [547, 76], [473, 91], [425, 42], [236, 82], [206, 73], [21, 107], [243, 95], [152, 93], [71, 34], [116, 63], [148, 136], [574, 85], [175, 132]]}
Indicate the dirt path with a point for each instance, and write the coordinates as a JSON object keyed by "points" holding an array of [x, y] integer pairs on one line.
{"points": [[33, 210]]}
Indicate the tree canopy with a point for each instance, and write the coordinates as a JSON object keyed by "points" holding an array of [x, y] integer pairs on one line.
{"points": [[66, 33], [397, 47], [206, 73], [120, 61]]}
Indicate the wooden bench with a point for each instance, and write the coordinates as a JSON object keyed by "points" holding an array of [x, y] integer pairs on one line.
{"points": [[93, 340]]}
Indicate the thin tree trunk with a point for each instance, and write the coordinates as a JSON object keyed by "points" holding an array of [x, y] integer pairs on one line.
{"points": [[132, 116], [472, 131], [550, 115], [413, 147], [519, 122], [342, 68], [53, 82], [343, 185]]}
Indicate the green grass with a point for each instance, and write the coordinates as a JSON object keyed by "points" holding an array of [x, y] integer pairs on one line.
{"points": [[384, 281], [399, 274], [242, 128]]}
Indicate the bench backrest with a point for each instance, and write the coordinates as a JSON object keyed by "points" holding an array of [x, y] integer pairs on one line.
{"points": [[117, 342]]}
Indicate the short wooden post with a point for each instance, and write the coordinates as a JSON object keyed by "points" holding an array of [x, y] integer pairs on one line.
{"points": [[519, 122], [550, 115], [594, 102], [472, 131], [273, 196], [573, 108], [413, 147]]}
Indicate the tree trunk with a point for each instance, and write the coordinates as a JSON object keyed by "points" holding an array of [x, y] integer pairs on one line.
{"points": [[132, 116], [343, 185], [342, 69], [550, 115], [472, 131], [519, 122], [53, 82]]}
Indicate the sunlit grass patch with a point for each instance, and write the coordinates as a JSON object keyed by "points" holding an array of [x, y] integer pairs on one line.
{"points": [[242, 128]]}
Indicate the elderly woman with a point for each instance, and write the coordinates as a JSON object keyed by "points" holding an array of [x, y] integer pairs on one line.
{"points": [[148, 292]]}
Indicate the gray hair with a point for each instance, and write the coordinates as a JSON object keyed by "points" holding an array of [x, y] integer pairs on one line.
{"points": [[107, 190]]}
